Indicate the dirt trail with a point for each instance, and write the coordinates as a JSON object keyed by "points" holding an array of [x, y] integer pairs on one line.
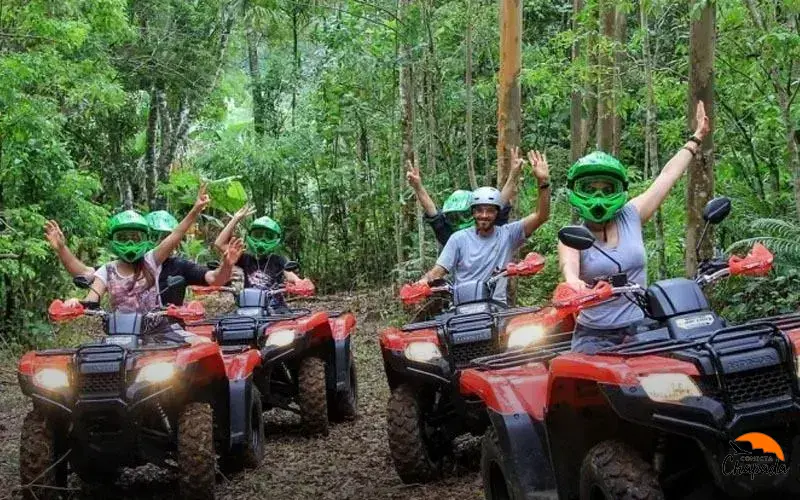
{"points": [[353, 462]]}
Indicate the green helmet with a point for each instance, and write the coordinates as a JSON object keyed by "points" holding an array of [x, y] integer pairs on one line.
{"points": [[128, 232], [597, 203], [457, 209], [263, 236], [161, 223]]}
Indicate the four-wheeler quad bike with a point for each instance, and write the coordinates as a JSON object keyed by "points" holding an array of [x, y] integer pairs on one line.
{"points": [[423, 362], [294, 359], [656, 415], [142, 394]]}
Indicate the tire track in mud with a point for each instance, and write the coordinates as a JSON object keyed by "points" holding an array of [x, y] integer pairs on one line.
{"points": [[352, 462]]}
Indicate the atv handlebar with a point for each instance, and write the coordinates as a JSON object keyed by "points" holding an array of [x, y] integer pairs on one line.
{"points": [[413, 293], [303, 288], [58, 311]]}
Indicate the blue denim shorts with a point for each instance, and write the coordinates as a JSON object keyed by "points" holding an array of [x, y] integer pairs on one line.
{"points": [[590, 340]]}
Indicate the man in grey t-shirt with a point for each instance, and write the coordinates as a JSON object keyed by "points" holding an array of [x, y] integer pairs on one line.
{"points": [[475, 253]]}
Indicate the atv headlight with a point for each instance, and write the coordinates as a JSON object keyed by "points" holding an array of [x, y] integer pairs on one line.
{"points": [[422, 351], [524, 336], [669, 387], [156, 372], [280, 338], [51, 378]]}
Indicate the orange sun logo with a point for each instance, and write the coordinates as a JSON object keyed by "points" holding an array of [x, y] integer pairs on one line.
{"points": [[762, 442]]}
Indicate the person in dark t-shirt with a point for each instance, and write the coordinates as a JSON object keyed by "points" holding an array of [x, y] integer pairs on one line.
{"points": [[261, 267]]}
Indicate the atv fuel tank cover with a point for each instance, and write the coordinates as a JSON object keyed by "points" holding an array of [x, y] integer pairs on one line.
{"points": [[673, 297]]}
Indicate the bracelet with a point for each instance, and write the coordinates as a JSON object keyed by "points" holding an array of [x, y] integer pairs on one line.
{"points": [[544, 186], [693, 151], [695, 140]]}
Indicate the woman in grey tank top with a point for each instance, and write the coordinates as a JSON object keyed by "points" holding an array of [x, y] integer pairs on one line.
{"points": [[598, 185]]}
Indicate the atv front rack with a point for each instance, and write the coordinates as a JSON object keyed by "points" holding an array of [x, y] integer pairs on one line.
{"points": [[555, 347], [742, 338]]}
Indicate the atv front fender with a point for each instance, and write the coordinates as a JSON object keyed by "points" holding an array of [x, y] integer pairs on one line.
{"points": [[239, 394], [524, 453]]}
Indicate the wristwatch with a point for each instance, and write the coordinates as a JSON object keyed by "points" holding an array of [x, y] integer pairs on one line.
{"points": [[545, 185], [695, 140]]}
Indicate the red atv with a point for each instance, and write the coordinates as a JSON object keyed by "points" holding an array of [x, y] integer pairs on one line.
{"points": [[423, 362], [140, 395], [294, 359], [684, 404]]}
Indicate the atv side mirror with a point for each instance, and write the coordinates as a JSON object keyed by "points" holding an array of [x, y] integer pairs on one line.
{"points": [[577, 237], [291, 266], [716, 210], [82, 282]]}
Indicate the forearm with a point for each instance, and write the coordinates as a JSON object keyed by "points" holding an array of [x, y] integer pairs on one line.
{"points": [[569, 263], [220, 275], [221, 243], [73, 265], [508, 188], [425, 200], [171, 242], [542, 214]]}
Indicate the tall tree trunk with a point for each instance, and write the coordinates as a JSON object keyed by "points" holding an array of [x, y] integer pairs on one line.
{"points": [[605, 83], [620, 35], [700, 182], [259, 107], [473, 181], [652, 163], [430, 90], [576, 105], [406, 113], [509, 113], [150, 167], [296, 61]]}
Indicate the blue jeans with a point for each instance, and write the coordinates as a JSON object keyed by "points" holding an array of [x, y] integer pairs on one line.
{"points": [[590, 340]]}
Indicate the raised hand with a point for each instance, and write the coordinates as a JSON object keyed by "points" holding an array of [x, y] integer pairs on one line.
{"points": [[245, 211], [203, 199], [54, 235], [413, 176], [234, 251], [516, 160], [701, 121], [539, 165]]}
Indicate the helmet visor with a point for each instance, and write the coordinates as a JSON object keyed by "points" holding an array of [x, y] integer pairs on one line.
{"points": [[598, 186], [129, 235], [263, 234], [459, 219]]}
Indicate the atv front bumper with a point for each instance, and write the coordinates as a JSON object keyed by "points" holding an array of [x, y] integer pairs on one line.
{"points": [[436, 371], [704, 420], [109, 429]]}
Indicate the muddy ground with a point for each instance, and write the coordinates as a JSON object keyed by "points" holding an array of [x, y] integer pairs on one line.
{"points": [[353, 462]]}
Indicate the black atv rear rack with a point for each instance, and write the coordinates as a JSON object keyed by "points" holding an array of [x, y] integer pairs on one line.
{"points": [[555, 347]]}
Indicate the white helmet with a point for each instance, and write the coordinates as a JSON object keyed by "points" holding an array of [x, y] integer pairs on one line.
{"points": [[486, 195]]}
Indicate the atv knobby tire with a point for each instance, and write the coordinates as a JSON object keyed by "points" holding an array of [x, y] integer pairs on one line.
{"points": [[313, 396], [196, 456], [37, 454], [410, 452], [493, 470], [344, 405], [613, 470]]}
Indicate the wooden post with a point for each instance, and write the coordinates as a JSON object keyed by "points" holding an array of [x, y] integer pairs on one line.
{"points": [[509, 113], [700, 181]]}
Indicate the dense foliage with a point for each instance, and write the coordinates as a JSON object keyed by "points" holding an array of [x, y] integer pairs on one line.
{"points": [[295, 106]]}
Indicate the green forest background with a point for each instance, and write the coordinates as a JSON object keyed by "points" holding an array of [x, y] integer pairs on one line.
{"points": [[296, 106]]}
